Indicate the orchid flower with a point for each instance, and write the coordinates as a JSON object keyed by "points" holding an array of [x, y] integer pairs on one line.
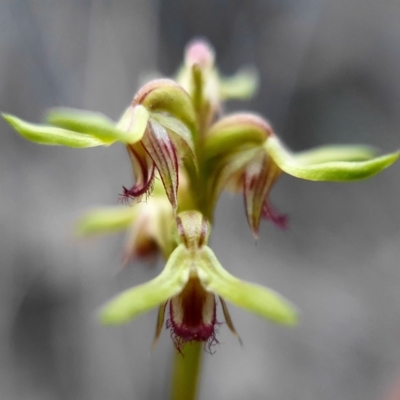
{"points": [[189, 285]]}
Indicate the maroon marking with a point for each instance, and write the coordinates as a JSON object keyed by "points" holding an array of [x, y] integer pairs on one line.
{"points": [[144, 178], [137, 191], [268, 212], [193, 328], [181, 231], [204, 231]]}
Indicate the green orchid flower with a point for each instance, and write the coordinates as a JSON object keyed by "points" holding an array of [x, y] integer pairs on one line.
{"points": [[189, 286], [243, 152]]}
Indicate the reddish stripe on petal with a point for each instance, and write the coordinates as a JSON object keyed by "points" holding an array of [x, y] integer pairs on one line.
{"points": [[143, 172], [163, 153], [258, 179]]}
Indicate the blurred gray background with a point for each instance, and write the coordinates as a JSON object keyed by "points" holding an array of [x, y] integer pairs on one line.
{"points": [[329, 74]]}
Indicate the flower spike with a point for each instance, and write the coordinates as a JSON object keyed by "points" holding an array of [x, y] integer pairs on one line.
{"points": [[183, 151]]}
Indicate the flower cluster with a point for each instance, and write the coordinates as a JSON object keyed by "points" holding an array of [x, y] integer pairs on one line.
{"points": [[184, 153]]}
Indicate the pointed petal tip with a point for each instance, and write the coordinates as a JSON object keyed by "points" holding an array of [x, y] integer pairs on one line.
{"points": [[11, 120], [255, 235], [109, 317], [6, 116], [393, 157], [154, 344], [291, 318]]}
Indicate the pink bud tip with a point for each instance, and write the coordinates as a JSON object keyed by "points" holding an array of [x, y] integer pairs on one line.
{"points": [[199, 52]]}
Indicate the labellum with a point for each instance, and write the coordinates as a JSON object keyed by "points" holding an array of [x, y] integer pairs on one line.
{"points": [[193, 315]]}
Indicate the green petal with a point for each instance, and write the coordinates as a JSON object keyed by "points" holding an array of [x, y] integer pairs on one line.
{"points": [[165, 95], [50, 135], [224, 170], [336, 153], [254, 298], [242, 85], [133, 124], [106, 220], [327, 171], [133, 302], [98, 125], [233, 131]]}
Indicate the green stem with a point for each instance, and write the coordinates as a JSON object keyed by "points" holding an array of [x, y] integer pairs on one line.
{"points": [[186, 372]]}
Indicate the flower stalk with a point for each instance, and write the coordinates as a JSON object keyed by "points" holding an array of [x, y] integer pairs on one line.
{"points": [[186, 372]]}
